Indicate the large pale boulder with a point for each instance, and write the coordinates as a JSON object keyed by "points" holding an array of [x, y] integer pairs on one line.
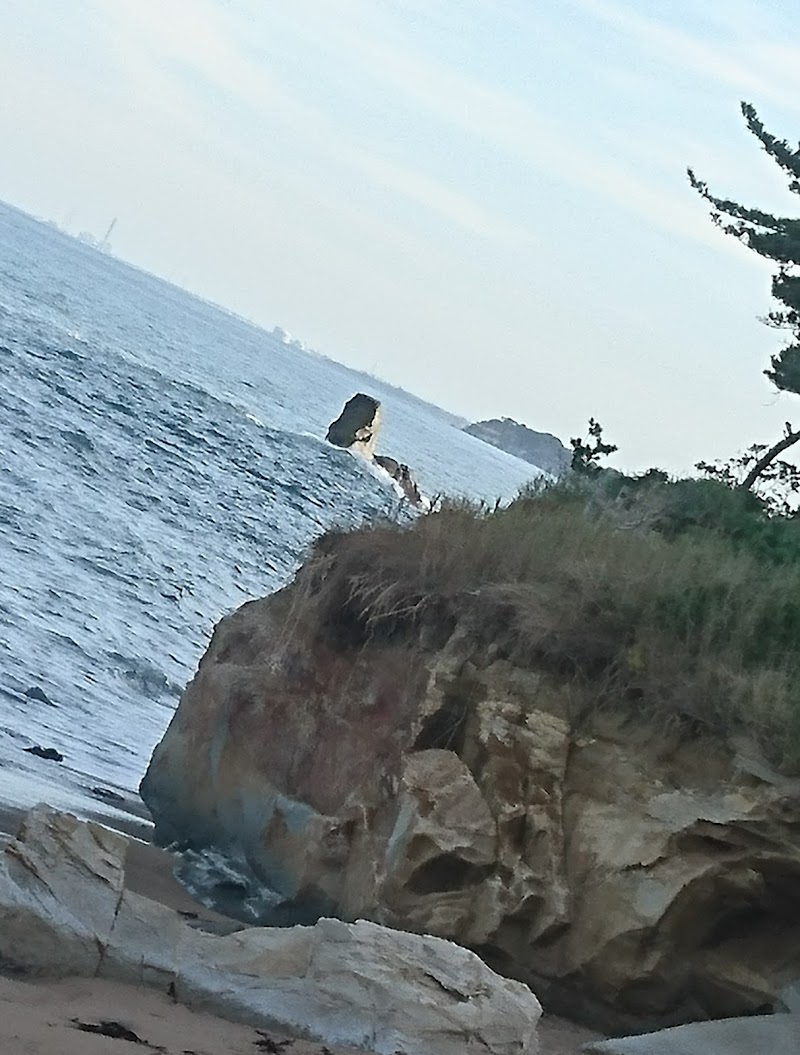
{"points": [[363, 985], [632, 874], [64, 908], [61, 881], [358, 425]]}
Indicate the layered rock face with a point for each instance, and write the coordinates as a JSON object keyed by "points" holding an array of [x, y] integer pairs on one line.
{"points": [[65, 908], [358, 425], [631, 875]]}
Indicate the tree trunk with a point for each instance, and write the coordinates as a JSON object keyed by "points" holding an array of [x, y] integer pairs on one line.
{"points": [[769, 456]]}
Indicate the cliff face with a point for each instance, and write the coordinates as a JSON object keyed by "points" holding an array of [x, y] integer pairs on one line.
{"points": [[539, 448], [410, 775]]}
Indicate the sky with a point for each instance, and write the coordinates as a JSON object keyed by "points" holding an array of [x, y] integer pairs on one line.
{"points": [[484, 201]]}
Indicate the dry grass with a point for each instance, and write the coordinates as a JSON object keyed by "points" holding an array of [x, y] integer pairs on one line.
{"points": [[686, 628]]}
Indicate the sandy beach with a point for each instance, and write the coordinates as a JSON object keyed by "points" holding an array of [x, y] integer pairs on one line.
{"points": [[58, 1016], [75, 1016]]}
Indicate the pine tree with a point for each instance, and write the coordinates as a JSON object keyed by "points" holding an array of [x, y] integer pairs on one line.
{"points": [[776, 238], [586, 454]]}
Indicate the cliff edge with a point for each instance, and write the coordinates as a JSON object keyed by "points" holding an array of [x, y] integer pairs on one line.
{"points": [[494, 729]]}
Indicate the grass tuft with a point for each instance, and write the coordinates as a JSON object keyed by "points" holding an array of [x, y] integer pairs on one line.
{"points": [[645, 596]]}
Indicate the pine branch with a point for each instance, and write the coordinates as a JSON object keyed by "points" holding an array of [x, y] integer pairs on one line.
{"points": [[740, 212], [778, 149], [764, 461]]}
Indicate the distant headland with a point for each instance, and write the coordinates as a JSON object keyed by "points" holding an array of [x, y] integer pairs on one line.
{"points": [[539, 448]]}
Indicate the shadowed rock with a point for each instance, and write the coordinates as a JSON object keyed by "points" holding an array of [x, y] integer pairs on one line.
{"points": [[38, 694], [357, 426], [48, 753], [403, 475]]}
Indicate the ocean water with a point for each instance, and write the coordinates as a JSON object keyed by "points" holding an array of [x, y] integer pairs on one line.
{"points": [[163, 461]]}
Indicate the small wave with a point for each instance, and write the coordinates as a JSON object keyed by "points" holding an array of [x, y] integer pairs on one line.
{"points": [[226, 884], [78, 440], [100, 568], [190, 439], [10, 516], [151, 681], [67, 353], [121, 408]]}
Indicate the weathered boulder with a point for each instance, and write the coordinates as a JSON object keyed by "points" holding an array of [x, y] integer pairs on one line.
{"points": [[60, 885], [64, 908], [633, 874], [363, 985], [358, 425]]}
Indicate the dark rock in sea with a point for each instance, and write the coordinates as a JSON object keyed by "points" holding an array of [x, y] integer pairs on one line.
{"points": [[539, 448], [49, 753], [390, 465], [357, 426], [35, 693], [146, 677], [402, 474], [107, 795]]}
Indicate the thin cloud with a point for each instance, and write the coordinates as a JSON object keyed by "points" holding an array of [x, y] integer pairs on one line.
{"points": [[766, 70], [502, 119], [159, 47], [204, 40]]}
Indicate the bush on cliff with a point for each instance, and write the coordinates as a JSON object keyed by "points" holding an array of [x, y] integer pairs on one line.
{"points": [[679, 600]]}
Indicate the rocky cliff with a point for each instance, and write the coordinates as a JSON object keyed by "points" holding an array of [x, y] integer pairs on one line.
{"points": [[409, 766], [539, 448]]}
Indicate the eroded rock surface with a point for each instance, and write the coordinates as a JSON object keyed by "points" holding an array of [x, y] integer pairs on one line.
{"points": [[632, 875], [65, 908]]}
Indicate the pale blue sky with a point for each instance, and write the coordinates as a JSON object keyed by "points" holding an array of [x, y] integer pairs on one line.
{"points": [[484, 202]]}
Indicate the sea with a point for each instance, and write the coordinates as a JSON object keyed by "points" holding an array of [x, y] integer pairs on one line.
{"points": [[162, 461]]}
